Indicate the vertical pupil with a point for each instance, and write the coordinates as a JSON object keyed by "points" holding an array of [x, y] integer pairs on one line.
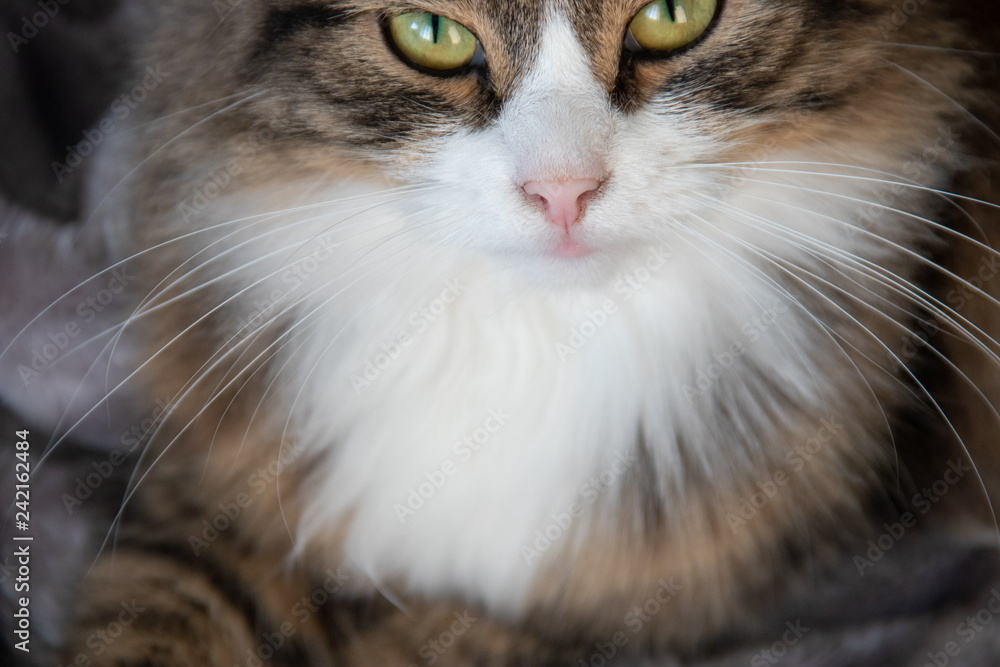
{"points": [[677, 12], [671, 12], [435, 19]]}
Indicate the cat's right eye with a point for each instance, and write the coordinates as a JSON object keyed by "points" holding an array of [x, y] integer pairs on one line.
{"points": [[665, 25], [431, 41]]}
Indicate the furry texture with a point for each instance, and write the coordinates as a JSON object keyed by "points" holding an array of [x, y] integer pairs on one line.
{"points": [[370, 346]]}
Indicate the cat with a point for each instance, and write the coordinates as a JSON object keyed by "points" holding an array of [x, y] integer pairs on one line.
{"points": [[540, 333]]}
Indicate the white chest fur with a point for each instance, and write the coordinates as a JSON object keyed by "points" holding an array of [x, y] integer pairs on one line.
{"points": [[474, 426], [463, 406]]}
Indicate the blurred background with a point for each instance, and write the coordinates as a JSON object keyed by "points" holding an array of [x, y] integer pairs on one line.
{"points": [[61, 63]]}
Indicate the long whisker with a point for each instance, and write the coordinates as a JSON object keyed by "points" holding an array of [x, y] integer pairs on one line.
{"points": [[149, 157], [944, 49], [795, 275], [908, 214], [822, 326], [201, 373], [118, 329], [883, 276], [961, 108]]}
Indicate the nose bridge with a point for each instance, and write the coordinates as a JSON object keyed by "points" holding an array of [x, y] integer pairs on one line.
{"points": [[558, 123]]}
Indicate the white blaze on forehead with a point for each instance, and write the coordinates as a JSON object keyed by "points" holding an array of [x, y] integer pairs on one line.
{"points": [[558, 123]]}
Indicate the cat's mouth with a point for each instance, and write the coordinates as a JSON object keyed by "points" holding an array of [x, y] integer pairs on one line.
{"points": [[567, 247]]}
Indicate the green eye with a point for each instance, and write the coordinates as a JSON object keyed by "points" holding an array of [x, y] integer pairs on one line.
{"points": [[664, 25], [432, 41]]}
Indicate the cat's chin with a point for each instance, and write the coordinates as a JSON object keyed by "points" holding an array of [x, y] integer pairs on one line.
{"points": [[573, 265]]}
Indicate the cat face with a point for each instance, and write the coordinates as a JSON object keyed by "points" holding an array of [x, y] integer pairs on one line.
{"points": [[564, 148]]}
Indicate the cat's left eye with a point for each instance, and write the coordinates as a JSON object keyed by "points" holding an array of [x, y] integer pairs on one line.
{"points": [[666, 25], [432, 42]]}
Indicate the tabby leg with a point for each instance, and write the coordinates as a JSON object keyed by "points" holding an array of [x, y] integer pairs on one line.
{"points": [[141, 608]]}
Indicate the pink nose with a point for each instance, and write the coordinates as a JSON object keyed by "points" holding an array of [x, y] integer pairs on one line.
{"points": [[563, 202]]}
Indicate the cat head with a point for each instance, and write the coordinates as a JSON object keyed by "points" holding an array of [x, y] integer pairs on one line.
{"points": [[561, 139]]}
